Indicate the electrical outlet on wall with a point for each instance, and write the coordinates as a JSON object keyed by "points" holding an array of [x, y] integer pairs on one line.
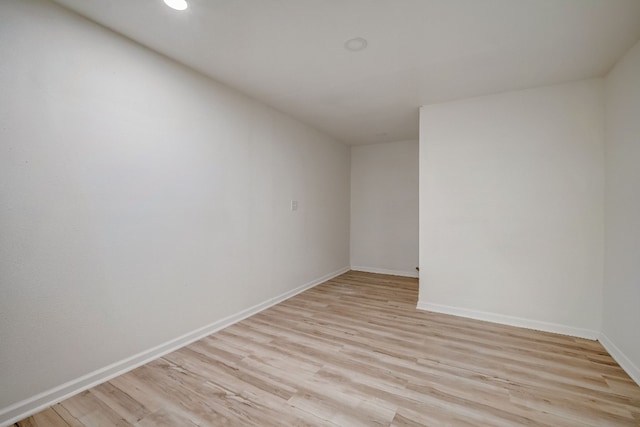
{"points": [[294, 205]]}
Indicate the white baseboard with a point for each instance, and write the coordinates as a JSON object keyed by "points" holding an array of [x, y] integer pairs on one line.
{"points": [[32, 405], [626, 363], [385, 271], [510, 320]]}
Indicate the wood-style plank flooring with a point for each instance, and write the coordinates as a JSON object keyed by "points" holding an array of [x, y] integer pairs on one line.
{"points": [[354, 351]]}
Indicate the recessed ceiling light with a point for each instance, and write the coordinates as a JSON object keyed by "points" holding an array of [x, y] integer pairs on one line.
{"points": [[356, 44], [176, 4]]}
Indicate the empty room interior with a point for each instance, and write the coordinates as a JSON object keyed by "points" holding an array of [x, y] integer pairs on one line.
{"points": [[319, 213]]}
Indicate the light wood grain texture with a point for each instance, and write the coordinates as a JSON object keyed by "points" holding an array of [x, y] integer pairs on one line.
{"points": [[354, 351]]}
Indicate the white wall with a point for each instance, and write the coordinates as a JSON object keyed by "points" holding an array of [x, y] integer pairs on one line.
{"points": [[622, 210], [141, 201], [511, 207], [384, 208]]}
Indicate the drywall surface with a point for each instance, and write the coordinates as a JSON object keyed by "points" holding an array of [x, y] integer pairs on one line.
{"points": [[141, 201], [384, 208], [511, 207], [622, 210]]}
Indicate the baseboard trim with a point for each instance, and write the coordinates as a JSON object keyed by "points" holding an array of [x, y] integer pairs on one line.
{"points": [[510, 320], [626, 363], [385, 271], [32, 405]]}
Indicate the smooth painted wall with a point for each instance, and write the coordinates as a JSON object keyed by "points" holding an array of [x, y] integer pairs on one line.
{"points": [[141, 201], [511, 207], [384, 207], [622, 210]]}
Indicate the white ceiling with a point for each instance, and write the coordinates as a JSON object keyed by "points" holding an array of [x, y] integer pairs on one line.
{"points": [[290, 54]]}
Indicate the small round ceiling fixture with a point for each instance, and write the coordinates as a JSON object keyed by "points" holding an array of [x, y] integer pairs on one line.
{"points": [[356, 44], [176, 4]]}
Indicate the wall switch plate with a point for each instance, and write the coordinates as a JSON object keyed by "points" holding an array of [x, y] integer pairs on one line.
{"points": [[294, 205]]}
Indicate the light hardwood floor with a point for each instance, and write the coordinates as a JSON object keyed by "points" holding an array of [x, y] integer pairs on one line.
{"points": [[354, 351]]}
